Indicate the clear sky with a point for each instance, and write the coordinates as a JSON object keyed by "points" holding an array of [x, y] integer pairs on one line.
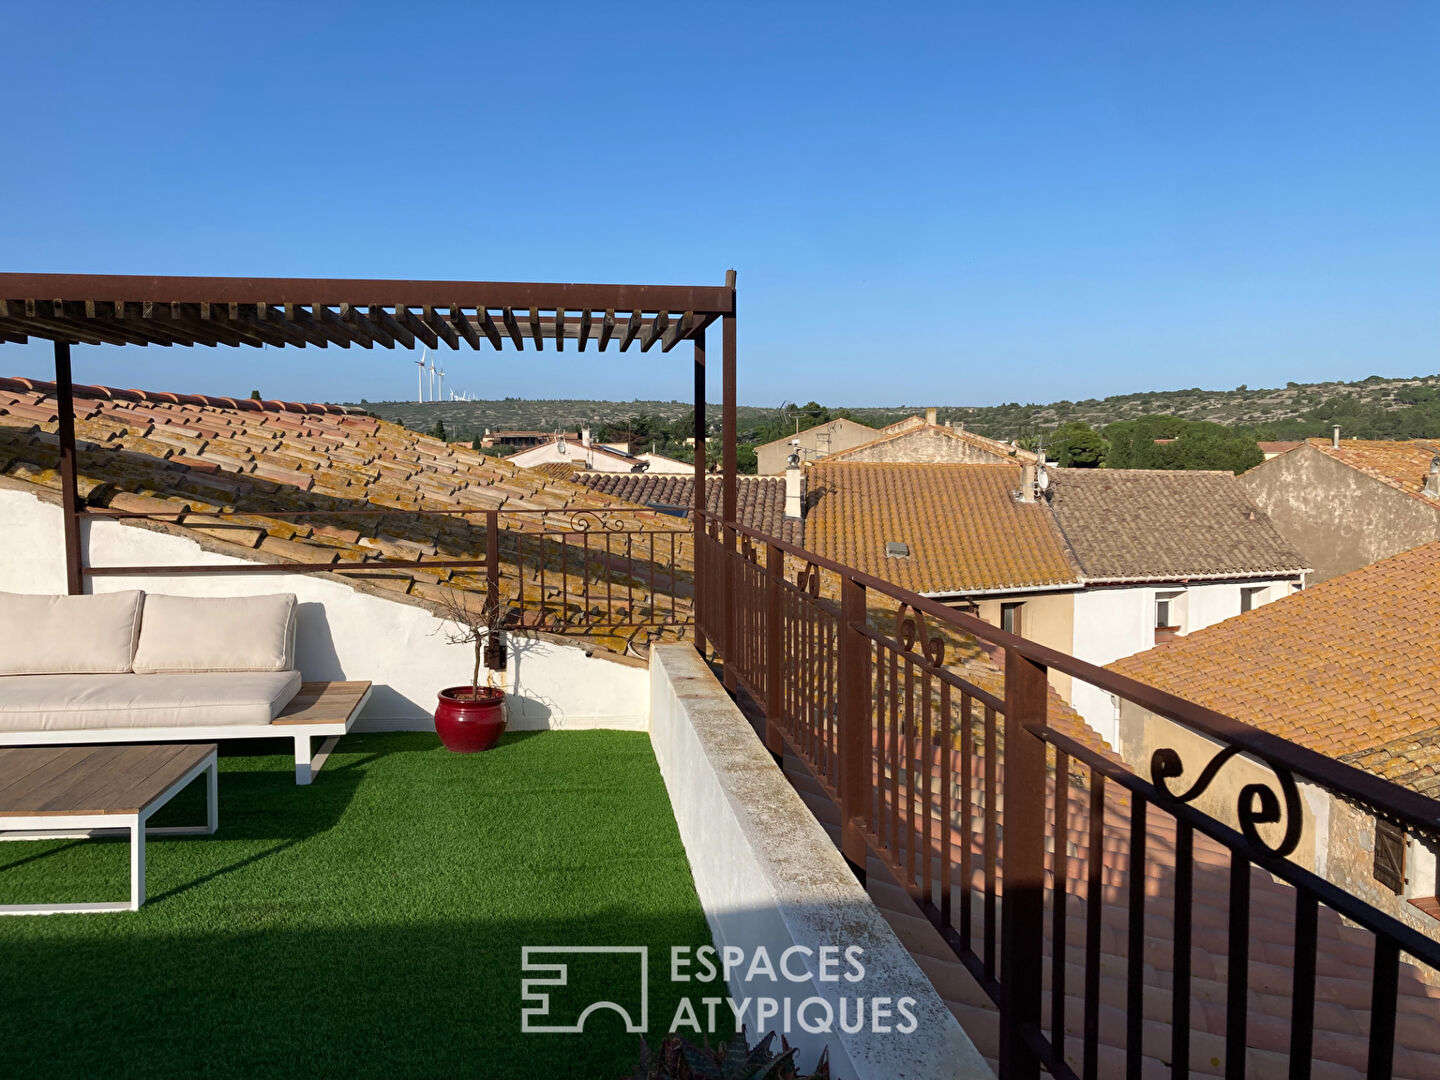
{"points": [[960, 204]]}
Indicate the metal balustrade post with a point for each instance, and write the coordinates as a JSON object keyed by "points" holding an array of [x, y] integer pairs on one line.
{"points": [[853, 727], [69, 487], [774, 651], [702, 612], [1023, 877], [729, 645], [492, 560]]}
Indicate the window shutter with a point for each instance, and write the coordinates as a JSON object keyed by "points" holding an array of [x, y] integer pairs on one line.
{"points": [[1390, 856]]}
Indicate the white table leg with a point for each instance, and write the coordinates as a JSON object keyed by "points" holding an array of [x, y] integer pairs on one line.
{"points": [[137, 862], [212, 797]]}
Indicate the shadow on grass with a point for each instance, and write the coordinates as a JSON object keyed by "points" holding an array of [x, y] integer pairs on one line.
{"points": [[431, 1000]]}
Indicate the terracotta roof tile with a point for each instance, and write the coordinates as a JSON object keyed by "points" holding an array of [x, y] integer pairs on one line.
{"points": [[964, 529], [1345, 668], [158, 452], [1144, 524], [1401, 464]]}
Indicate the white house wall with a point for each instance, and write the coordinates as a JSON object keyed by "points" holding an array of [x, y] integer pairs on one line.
{"points": [[342, 633], [1114, 622]]}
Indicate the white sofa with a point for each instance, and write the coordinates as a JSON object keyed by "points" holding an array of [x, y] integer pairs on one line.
{"points": [[132, 667]]}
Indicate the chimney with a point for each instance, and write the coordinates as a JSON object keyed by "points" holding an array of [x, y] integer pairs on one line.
{"points": [[1335, 437], [794, 489], [585, 437], [1026, 494], [930, 416], [1432, 482]]}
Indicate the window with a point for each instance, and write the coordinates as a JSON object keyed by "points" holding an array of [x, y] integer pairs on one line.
{"points": [[1169, 615], [1390, 856], [1251, 598], [1010, 618], [897, 549]]}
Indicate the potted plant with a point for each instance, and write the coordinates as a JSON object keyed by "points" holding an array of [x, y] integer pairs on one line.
{"points": [[472, 718]]}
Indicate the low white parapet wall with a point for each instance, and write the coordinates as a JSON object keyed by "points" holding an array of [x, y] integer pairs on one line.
{"points": [[778, 896], [342, 632]]}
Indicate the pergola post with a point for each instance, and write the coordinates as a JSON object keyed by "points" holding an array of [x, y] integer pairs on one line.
{"points": [[700, 504], [69, 487], [727, 479]]}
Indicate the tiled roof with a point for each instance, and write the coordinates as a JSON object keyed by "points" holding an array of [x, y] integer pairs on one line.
{"points": [[577, 447], [914, 424], [1346, 667], [1401, 464], [1143, 524], [965, 530], [558, 470], [760, 500], [157, 452], [1277, 447]]}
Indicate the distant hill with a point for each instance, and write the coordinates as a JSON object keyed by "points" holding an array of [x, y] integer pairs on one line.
{"points": [[1281, 412]]}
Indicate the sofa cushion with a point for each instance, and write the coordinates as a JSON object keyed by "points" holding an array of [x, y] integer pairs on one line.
{"points": [[216, 633], [191, 699], [57, 635]]}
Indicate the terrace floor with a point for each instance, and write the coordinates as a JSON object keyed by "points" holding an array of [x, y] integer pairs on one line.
{"points": [[368, 925]]}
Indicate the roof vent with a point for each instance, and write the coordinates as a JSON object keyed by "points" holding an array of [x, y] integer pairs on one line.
{"points": [[897, 549]]}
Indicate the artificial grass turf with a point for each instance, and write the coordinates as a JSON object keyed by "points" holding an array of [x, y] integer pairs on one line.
{"points": [[370, 924]]}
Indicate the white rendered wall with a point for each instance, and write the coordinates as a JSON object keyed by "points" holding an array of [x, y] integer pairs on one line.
{"points": [[768, 875], [342, 633], [1111, 623]]}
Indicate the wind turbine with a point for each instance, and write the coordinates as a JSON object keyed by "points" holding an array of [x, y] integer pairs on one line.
{"points": [[441, 373], [432, 380], [420, 378]]}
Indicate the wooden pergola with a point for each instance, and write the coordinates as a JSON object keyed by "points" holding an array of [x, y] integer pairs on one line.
{"points": [[96, 309]]}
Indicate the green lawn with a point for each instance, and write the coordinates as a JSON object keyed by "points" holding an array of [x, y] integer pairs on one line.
{"points": [[367, 925]]}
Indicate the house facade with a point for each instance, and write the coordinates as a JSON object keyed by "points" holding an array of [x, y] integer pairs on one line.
{"points": [[1096, 563], [1345, 503], [924, 440], [586, 454], [820, 441], [1334, 670]]}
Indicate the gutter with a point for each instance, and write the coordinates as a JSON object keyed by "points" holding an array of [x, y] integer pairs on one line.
{"points": [[1085, 583], [964, 594]]}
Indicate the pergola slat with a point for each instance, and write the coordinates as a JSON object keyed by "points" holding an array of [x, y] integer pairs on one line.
{"points": [[677, 332], [443, 330], [512, 327], [213, 317], [632, 327], [607, 327], [654, 330], [584, 328], [559, 330], [535, 333], [270, 315], [308, 325], [406, 318], [487, 326], [338, 329], [386, 322], [362, 326], [462, 324]]}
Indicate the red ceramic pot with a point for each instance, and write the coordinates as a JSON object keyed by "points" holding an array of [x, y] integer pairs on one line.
{"points": [[466, 725]]}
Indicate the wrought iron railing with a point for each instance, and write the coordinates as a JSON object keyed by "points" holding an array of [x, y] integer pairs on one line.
{"points": [[566, 571], [985, 810]]}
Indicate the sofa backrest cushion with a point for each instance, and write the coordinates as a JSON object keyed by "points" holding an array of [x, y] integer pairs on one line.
{"points": [[68, 635], [220, 633]]}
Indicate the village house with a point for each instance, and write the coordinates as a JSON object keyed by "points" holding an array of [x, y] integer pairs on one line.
{"points": [[586, 453], [773, 458], [1346, 669], [1096, 563], [1345, 503], [925, 439]]}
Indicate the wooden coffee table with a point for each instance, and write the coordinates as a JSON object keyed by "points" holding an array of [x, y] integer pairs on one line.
{"points": [[68, 791]]}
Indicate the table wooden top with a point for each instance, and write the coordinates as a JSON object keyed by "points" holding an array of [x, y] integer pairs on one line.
{"points": [[61, 780]]}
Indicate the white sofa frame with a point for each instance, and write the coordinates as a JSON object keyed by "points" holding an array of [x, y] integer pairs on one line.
{"points": [[307, 764]]}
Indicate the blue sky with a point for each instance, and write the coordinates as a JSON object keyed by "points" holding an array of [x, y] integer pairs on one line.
{"points": [[956, 204]]}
